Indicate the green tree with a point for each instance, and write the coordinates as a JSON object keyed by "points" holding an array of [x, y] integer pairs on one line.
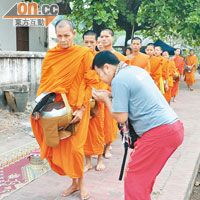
{"points": [[156, 18]]}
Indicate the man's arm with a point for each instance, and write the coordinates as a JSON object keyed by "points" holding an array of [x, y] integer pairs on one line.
{"points": [[120, 117], [118, 107]]}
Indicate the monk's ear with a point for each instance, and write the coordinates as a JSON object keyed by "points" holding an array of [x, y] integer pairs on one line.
{"points": [[113, 38], [74, 33]]}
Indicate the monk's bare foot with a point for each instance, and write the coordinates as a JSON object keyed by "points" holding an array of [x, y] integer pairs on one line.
{"points": [[100, 166], [84, 194], [108, 155], [87, 168], [73, 188]]}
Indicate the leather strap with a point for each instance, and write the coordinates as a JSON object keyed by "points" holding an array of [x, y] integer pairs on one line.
{"points": [[64, 97]]}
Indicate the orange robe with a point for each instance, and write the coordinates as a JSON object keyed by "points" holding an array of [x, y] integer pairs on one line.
{"points": [[111, 125], [179, 62], [165, 69], [141, 60], [156, 69], [190, 76], [67, 71], [94, 144], [172, 70], [99, 130]]}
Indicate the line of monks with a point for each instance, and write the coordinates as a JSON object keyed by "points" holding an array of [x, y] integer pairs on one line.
{"points": [[95, 135]]}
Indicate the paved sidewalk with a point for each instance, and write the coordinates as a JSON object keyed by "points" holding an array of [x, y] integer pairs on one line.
{"points": [[174, 183]]}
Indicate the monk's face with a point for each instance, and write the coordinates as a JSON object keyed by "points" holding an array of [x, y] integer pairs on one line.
{"points": [[128, 52], [149, 50], [65, 36], [106, 39], [158, 51], [165, 55], [177, 52], [106, 73], [90, 42], [99, 44], [191, 52], [136, 45]]}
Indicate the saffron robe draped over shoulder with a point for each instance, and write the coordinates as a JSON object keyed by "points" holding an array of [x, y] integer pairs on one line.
{"points": [[179, 62], [156, 69], [190, 76], [141, 60], [67, 71]]}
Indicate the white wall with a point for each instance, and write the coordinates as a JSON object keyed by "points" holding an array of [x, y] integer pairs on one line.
{"points": [[8, 31], [37, 35]]}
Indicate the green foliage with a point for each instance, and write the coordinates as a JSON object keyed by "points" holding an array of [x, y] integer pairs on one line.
{"points": [[180, 18], [155, 18], [87, 11]]}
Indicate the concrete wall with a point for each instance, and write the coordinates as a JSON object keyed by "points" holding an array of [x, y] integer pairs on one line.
{"points": [[38, 36], [38, 39], [8, 31], [20, 71]]}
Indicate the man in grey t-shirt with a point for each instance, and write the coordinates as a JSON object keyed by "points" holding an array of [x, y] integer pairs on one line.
{"points": [[135, 96]]}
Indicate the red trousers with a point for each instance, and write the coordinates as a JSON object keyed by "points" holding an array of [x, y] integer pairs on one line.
{"points": [[149, 156]]}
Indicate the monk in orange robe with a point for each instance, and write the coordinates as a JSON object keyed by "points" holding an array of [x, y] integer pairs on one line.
{"points": [[172, 70], [179, 62], [110, 125], [165, 68], [192, 61], [66, 69], [155, 64], [95, 139], [137, 58]]}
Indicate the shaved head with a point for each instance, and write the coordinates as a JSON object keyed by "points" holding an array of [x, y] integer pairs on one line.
{"points": [[110, 31], [65, 33], [63, 23]]}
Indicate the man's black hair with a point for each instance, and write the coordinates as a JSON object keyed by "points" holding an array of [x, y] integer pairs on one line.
{"points": [[63, 22], [137, 38], [104, 57], [92, 33], [111, 32]]}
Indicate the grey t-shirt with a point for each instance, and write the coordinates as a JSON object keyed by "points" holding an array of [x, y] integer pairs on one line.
{"points": [[134, 92]]}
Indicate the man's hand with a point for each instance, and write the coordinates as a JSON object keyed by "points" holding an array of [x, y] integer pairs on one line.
{"points": [[36, 116], [101, 95], [78, 114]]}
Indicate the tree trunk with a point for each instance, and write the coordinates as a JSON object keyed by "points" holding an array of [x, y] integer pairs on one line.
{"points": [[97, 28], [128, 35]]}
